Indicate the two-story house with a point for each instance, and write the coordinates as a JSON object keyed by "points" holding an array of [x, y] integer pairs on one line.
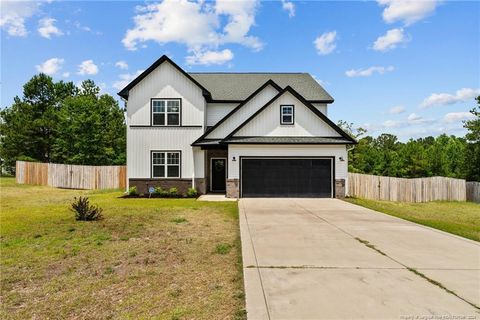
{"points": [[243, 134]]}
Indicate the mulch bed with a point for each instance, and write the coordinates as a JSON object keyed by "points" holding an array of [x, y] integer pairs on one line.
{"points": [[155, 196]]}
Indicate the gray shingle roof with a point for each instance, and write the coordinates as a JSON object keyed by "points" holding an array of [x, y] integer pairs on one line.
{"points": [[276, 140], [208, 142], [238, 86], [299, 140]]}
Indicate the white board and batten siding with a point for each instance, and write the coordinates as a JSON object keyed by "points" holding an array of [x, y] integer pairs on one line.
{"points": [[322, 107], [240, 150], [217, 111], [246, 111], [141, 141], [164, 82], [306, 123]]}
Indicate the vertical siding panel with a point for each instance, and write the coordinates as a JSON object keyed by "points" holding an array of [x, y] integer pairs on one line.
{"points": [[141, 141], [244, 113], [267, 123], [216, 111]]}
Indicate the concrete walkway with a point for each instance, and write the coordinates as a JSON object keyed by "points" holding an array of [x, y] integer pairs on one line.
{"points": [[328, 259], [215, 197]]}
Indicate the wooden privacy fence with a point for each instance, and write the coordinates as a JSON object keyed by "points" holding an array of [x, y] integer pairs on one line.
{"points": [[473, 191], [406, 190], [71, 176]]}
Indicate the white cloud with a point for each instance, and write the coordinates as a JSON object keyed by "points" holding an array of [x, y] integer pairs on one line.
{"points": [[241, 17], [87, 67], [79, 26], [407, 11], [47, 28], [414, 118], [289, 7], [125, 79], [66, 74], [396, 110], [121, 64], [325, 44], [457, 116], [201, 26], [368, 72], [391, 124], [13, 15], [390, 40], [209, 57], [462, 95], [51, 66]]}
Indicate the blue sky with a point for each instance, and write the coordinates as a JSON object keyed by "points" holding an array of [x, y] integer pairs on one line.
{"points": [[410, 68]]}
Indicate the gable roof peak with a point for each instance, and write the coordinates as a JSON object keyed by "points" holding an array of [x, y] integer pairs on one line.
{"points": [[164, 58], [305, 103], [256, 92]]}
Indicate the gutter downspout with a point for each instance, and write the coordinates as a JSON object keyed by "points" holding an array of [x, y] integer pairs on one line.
{"points": [[125, 114]]}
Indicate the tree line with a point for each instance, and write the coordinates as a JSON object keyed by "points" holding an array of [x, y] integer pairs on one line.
{"points": [[64, 123], [448, 156]]}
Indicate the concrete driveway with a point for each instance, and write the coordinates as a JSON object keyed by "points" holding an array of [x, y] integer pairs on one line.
{"points": [[328, 259]]}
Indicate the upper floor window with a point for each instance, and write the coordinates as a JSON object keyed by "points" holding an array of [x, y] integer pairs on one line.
{"points": [[166, 112], [286, 114], [165, 164]]}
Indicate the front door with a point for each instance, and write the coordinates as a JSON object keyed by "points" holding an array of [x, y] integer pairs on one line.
{"points": [[218, 174]]}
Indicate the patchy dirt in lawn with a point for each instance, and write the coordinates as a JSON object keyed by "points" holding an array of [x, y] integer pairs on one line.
{"points": [[155, 258]]}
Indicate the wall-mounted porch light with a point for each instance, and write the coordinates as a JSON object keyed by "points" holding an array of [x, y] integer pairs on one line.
{"points": [[234, 159], [341, 159]]}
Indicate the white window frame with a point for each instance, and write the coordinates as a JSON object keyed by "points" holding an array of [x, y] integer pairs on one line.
{"points": [[282, 114], [166, 164], [166, 112]]}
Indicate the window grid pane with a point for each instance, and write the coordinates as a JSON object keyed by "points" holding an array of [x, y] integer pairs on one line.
{"points": [[158, 119], [286, 113], [173, 158], [173, 119], [158, 158], [173, 171], [158, 109], [287, 110], [166, 112], [165, 164], [158, 106], [158, 171]]}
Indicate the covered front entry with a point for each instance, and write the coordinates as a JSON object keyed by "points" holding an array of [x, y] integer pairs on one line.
{"points": [[287, 177]]}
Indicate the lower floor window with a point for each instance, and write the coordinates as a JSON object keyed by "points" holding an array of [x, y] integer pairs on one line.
{"points": [[165, 164]]}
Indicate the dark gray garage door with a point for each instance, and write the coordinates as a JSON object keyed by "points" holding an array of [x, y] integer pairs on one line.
{"points": [[275, 177]]}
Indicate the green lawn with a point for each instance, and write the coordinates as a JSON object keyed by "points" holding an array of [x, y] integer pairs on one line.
{"points": [[149, 258], [460, 218]]}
